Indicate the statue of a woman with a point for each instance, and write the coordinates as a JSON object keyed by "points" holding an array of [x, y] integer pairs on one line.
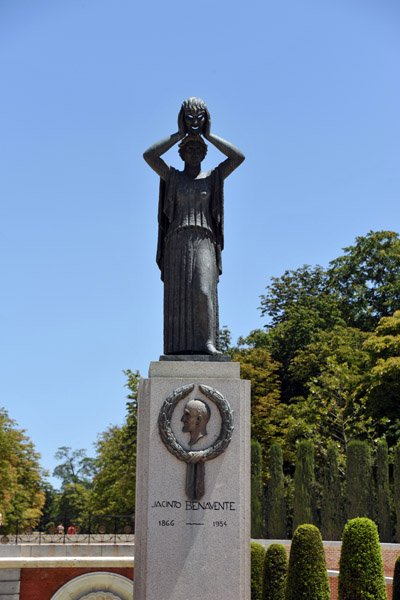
{"points": [[190, 238]]}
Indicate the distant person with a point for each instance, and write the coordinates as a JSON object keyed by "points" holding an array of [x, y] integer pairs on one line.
{"points": [[71, 530], [60, 528], [1, 524]]}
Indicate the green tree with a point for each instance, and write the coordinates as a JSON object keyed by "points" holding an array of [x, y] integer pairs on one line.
{"points": [[361, 575], [359, 491], [257, 366], [300, 304], [52, 497], [76, 468], [74, 501], [275, 572], [367, 279], [396, 490], [257, 558], [304, 485], [114, 483], [275, 495], [307, 575], [257, 521], [332, 501], [21, 477], [382, 381], [330, 371], [383, 512]]}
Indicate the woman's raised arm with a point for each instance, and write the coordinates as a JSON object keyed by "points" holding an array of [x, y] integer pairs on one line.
{"points": [[235, 156], [152, 154]]}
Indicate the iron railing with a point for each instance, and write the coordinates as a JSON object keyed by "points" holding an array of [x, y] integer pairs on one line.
{"points": [[82, 529]]}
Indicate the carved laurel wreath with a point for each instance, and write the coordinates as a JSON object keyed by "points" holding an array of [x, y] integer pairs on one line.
{"points": [[168, 437]]}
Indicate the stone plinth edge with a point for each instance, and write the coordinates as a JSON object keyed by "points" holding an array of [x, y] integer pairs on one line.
{"points": [[197, 370]]}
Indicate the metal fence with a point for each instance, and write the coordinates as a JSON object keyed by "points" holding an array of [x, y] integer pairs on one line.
{"points": [[82, 529]]}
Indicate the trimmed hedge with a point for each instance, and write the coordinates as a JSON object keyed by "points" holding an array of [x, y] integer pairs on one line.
{"points": [[275, 496], [383, 515], [361, 574], [396, 490], [307, 575], [275, 572], [332, 520], [257, 558], [396, 580], [257, 522], [304, 485], [360, 498]]}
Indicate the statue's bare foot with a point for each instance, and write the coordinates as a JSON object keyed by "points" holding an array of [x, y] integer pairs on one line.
{"points": [[211, 349]]}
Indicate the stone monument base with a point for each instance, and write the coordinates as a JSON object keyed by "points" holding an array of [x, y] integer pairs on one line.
{"points": [[185, 547]]}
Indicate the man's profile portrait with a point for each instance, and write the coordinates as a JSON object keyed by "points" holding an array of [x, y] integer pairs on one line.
{"points": [[195, 417]]}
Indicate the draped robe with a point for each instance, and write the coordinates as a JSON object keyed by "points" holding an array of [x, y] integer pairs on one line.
{"points": [[190, 242]]}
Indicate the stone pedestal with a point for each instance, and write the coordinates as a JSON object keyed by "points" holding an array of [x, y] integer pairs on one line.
{"points": [[189, 548]]}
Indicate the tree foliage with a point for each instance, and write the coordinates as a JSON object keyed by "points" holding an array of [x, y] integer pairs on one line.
{"points": [[382, 381], [21, 489], [367, 279], [114, 483], [75, 468]]}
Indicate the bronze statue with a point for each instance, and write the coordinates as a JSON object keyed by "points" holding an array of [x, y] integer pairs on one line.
{"points": [[191, 236]]}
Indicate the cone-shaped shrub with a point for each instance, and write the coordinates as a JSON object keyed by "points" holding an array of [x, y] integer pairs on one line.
{"points": [[396, 482], [361, 574], [304, 485], [275, 572], [396, 580], [383, 515], [307, 575], [257, 558], [331, 503], [359, 492], [257, 524], [275, 496]]}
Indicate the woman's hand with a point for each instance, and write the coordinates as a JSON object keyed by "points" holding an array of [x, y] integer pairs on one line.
{"points": [[207, 128], [181, 125]]}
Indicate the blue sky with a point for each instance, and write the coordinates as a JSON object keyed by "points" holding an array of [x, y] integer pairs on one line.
{"points": [[309, 90]]}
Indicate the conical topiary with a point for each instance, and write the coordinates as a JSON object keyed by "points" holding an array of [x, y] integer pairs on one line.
{"points": [[396, 580], [275, 572], [307, 575], [257, 559], [361, 574]]}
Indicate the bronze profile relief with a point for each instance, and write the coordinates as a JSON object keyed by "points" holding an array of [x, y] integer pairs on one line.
{"points": [[196, 415], [191, 232]]}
